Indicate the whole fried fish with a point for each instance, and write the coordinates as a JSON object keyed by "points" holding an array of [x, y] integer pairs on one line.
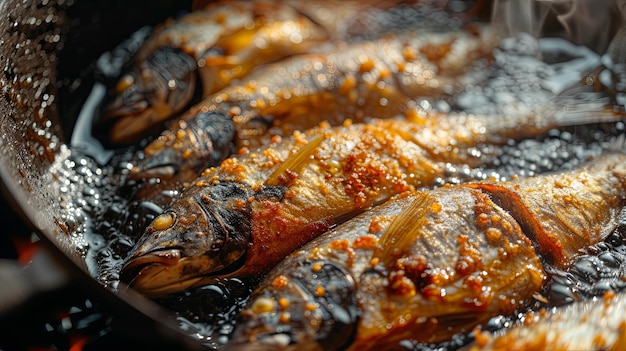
{"points": [[434, 263], [588, 325], [246, 215]]}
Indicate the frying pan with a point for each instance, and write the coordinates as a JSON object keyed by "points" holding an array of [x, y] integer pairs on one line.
{"points": [[46, 50]]}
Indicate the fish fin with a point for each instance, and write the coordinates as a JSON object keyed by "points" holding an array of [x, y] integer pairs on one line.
{"points": [[403, 230], [585, 111], [295, 162], [617, 144], [511, 201]]}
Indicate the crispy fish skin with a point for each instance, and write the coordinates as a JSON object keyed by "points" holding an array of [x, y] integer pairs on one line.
{"points": [[589, 325], [317, 179], [358, 81], [424, 266], [427, 265], [292, 191]]}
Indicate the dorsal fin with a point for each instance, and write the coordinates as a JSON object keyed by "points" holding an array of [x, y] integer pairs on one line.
{"points": [[295, 162], [403, 230]]}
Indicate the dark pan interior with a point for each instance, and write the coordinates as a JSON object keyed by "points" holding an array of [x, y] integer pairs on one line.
{"points": [[47, 52]]}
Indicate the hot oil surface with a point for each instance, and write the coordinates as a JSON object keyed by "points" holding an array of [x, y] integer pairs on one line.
{"points": [[114, 221]]}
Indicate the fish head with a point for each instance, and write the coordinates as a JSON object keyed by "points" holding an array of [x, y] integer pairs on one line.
{"points": [[152, 91], [203, 236], [193, 145], [308, 304]]}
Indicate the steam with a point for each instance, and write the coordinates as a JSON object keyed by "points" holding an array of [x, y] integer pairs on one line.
{"points": [[592, 23]]}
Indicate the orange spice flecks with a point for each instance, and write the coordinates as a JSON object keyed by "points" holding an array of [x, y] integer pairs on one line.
{"points": [[285, 317], [493, 234], [283, 303], [280, 281], [378, 223], [365, 242], [324, 125], [495, 218], [299, 138], [232, 166], [343, 245], [367, 65], [414, 267], [435, 52], [433, 292], [276, 139], [481, 338], [482, 220], [400, 284], [311, 306], [409, 53], [470, 258], [273, 157], [317, 266], [384, 72], [348, 85], [435, 207], [608, 297], [599, 342], [323, 188], [465, 265]]}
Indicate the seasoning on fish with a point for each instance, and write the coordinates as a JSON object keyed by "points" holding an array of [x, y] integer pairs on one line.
{"points": [[357, 81], [221, 42], [246, 215], [434, 263], [589, 325]]}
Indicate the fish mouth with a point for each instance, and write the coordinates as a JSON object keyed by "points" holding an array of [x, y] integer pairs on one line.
{"points": [[127, 128], [164, 272], [153, 272]]}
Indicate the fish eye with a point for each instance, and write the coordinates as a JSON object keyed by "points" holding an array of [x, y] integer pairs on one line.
{"points": [[124, 83], [164, 221]]}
